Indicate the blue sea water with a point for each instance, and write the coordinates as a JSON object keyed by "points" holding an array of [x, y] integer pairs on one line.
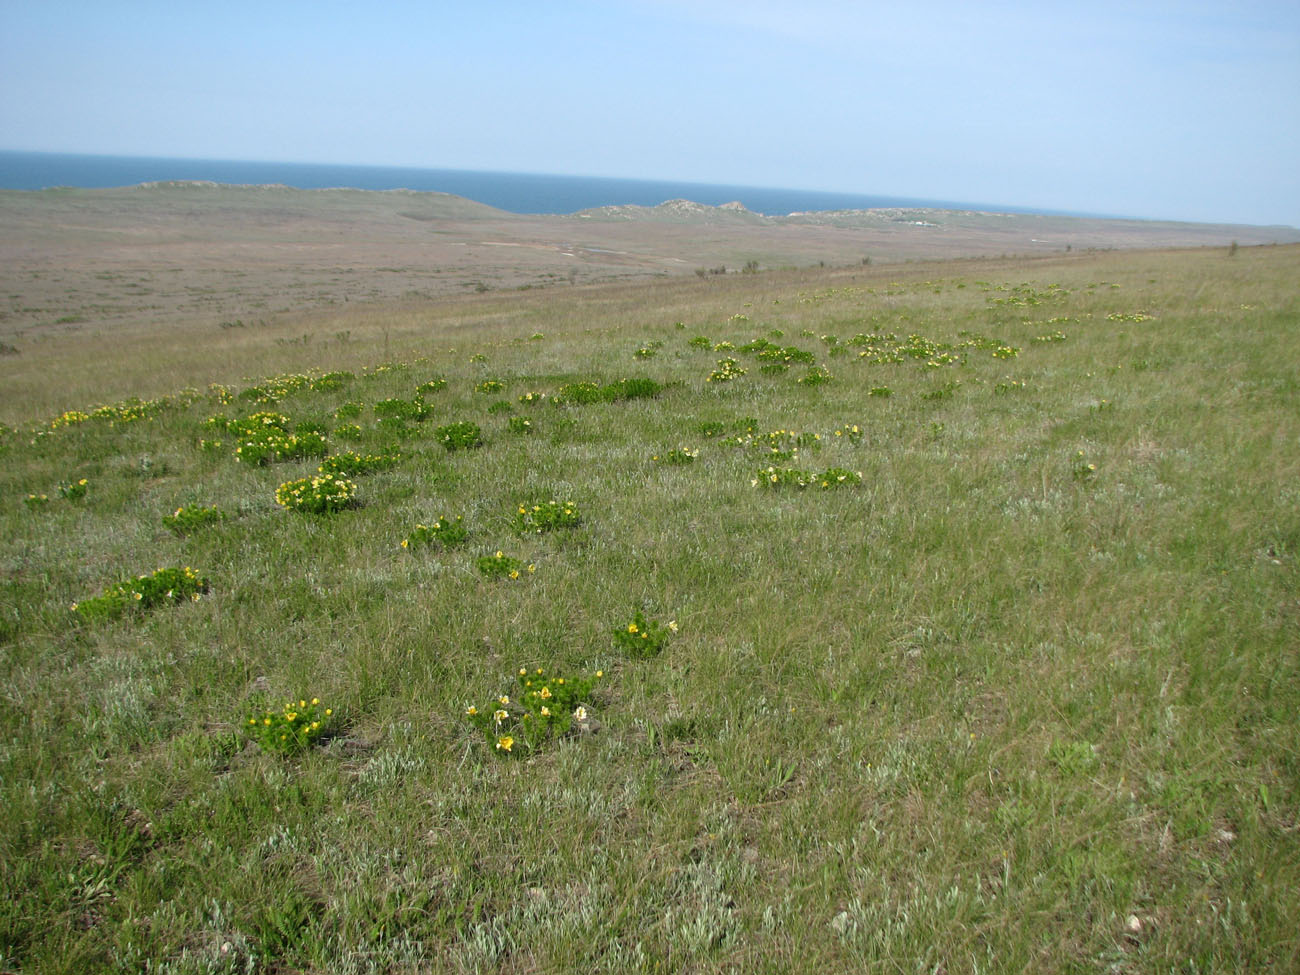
{"points": [[516, 192]]}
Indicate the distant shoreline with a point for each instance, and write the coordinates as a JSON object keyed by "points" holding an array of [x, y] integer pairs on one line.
{"points": [[521, 193]]}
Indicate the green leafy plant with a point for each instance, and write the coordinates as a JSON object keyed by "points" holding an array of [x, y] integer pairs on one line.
{"points": [[189, 517], [460, 436], [832, 477], [170, 585], [74, 490], [490, 386], [726, 370], [642, 637], [446, 531], [547, 705], [678, 455], [351, 464], [292, 728], [519, 424], [501, 566], [546, 516], [1081, 469], [321, 494]]}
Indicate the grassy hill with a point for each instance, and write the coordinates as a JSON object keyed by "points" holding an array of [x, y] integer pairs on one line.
{"points": [[968, 593]]}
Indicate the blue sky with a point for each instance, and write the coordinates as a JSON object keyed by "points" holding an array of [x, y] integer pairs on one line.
{"points": [[1185, 111]]}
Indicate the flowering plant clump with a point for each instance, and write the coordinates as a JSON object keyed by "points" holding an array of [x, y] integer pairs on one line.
{"points": [[73, 490], [317, 495], [773, 477], [36, 500], [401, 409], [347, 431], [727, 370], [700, 342], [432, 386], [815, 376], [546, 516], [291, 728], [850, 432], [1081, 469], [490, 386], [447, 532], [642, 637], [777, 444], [499, 407], [678, 455], [587, 392], [191, 516], [547, 706], [143, 592], [265, 437], [501, 566], [532, 398], [349, 410], [351, 463], [460, 436], [519, 424]]}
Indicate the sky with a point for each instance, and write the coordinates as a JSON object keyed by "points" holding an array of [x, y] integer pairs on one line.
{"points": [[1164, 110]]}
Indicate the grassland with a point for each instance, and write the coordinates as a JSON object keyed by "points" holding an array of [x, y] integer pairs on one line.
{"points": [[1025, 697]]}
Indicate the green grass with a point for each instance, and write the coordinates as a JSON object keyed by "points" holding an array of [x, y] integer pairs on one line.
{"points": [[989, 709]]}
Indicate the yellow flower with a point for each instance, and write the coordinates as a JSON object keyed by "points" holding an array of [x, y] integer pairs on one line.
{"points": [[471, 710], [531, 567], [499, 715], [600, 673], [328, 712], [505, 743], [672, 625], [504, 699], [546, 693], [315, 701], [406, 543], [580, 713], [499, 553], [514, 573], [546, 712], [631, 627], [523, 671]]}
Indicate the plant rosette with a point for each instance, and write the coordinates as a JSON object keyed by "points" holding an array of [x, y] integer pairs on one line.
{"points": [[643, 637], [546, 516], [170, 585], [546, 706], [292, 728]]}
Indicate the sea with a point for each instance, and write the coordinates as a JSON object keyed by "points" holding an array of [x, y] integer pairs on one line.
{"points": [[515, 192]]}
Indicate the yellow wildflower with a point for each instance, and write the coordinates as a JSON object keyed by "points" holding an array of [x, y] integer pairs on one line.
{"points": [[505, 743]]}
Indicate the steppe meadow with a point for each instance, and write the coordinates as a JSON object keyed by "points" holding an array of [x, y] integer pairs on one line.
{"points": [[934, 617]]}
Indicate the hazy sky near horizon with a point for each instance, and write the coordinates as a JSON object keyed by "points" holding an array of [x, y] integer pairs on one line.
{"points": [[1186, 111]]}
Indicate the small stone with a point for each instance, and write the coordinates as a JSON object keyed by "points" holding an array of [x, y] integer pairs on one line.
{"points": [[1133, 925]]}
